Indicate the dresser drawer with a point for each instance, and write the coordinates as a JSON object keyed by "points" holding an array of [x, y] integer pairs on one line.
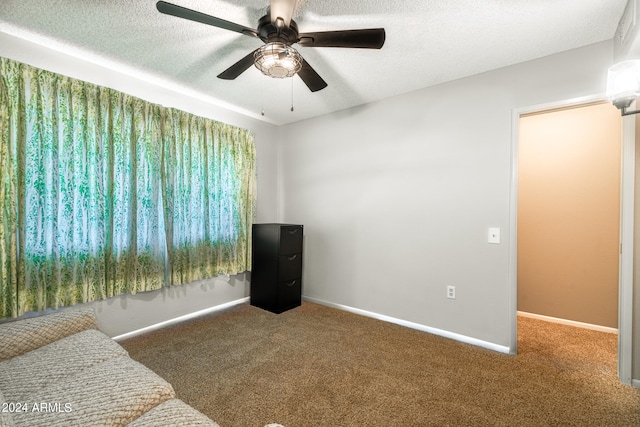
{"points": [[290, 239], [289, 266], [290, 294]]}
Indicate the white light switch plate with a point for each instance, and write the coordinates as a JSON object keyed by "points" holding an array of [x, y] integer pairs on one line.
{"points": [[494, 235]]}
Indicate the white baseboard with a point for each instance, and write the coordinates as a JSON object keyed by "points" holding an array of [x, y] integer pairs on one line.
{"points": [[569, 322], [423, 328], [635, 383], [181, 319]]}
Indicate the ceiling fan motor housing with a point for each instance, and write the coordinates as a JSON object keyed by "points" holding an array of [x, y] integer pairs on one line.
{"points": [[269, 32], [277, 58]]}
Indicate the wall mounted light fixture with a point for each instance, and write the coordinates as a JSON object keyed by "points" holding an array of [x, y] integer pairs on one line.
{"points": [[623, 85]]}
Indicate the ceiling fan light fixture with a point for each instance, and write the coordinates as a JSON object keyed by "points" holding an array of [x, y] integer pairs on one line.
{"points": [[278, 60]]}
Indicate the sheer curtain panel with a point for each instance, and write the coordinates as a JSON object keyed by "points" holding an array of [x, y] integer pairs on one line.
{"points": [[102, 193]]}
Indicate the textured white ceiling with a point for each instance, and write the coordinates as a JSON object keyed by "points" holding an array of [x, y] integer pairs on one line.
{"points": [[427, 42]]}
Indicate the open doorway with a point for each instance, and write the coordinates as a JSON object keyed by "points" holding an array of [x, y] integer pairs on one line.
{"points": [[568, 215]]}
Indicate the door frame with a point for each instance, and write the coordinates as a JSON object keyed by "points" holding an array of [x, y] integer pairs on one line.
{"points": [[625, 270]]}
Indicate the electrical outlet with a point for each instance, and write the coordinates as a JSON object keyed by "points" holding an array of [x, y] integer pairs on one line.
{"points": [[451, 292]]}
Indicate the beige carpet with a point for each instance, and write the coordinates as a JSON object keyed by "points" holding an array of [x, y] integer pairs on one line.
{"points": [[318, 366]]}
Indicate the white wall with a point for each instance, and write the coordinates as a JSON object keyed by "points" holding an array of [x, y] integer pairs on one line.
{"points": [[128, 313], [396, 196]]}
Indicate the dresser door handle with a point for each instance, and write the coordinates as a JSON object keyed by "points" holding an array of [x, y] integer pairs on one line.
{"points": [[294, 231], [291, 284], [291, 258]]}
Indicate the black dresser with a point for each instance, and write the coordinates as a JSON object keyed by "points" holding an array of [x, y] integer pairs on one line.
{"points": [[276, 266]]}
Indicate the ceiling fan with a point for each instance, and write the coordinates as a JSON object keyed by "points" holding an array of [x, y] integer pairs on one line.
{"points": [[277, 58]]}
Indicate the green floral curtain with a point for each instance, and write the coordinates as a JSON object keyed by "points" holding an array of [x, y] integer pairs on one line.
{"points": [[102, 193]]}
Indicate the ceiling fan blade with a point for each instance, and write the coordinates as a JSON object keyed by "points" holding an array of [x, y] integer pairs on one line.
{"points": [[312, 79], [238, 68], [192, 15], [282, 9], [372, 38]]}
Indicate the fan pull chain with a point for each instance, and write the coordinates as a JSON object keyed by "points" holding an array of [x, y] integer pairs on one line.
{"points": [[292, 94], [262, 98]]}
